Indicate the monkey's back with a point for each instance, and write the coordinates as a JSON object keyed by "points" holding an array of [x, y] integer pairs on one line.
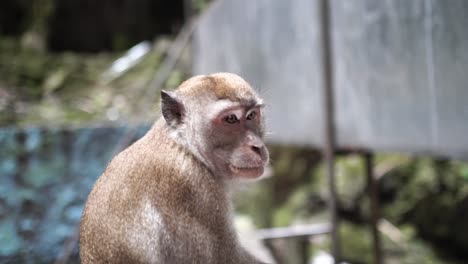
{"points": [[144, 208]]}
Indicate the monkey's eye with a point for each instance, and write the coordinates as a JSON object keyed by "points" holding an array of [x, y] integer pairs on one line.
{"points": [[252, 115], [231, 119]]}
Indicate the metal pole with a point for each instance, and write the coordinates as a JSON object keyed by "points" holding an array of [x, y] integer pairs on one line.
{"points": [[304, 250], [329, 148], [374, 207]]}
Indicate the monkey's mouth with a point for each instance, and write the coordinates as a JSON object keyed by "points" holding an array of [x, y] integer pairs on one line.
{"points": [[246, 172]]}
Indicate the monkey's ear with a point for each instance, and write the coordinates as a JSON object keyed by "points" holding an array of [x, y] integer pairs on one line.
{"points": [[171, 108]]}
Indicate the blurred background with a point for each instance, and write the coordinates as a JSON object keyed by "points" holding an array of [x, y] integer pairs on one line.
{"points": [[80, 81]]}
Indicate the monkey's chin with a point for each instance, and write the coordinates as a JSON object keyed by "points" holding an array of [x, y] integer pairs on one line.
{"points": [[246, 172]]}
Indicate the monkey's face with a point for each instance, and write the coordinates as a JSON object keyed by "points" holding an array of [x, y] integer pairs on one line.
{"points": [[234, 139], [219, 119]]}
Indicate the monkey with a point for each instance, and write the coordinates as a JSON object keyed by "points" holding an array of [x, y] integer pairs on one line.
{"points": [[166, 198]]}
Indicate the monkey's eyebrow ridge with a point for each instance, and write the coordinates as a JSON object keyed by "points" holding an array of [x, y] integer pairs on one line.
{"points": [[252, 104]]}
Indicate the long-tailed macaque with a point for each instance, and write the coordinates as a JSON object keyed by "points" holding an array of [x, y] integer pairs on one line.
{"points": [[165, 199]]}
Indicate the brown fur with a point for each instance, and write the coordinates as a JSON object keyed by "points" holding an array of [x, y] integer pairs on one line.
{"points": [[158, 181], [222, 85]]}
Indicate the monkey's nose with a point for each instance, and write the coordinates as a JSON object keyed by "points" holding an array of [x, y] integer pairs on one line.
{"points": [[257, 150]]}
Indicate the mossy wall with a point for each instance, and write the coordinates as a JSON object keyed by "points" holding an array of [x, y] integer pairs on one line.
{"points": [[46, 175]]}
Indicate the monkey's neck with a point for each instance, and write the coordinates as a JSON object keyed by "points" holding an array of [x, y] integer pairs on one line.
{"points": [[202, 194], [182, 188], [178, 154]]}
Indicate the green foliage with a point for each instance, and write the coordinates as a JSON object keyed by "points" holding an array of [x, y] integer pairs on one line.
{"points": [[350, 179], [282, 199], [426, 199], [68, 88], [199, 5], [356, 242], [175, 78], [441, 183], [35, 74], [40, 12]]}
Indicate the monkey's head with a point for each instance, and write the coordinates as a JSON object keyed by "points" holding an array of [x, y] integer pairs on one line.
{"points": [[218, 118]]}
